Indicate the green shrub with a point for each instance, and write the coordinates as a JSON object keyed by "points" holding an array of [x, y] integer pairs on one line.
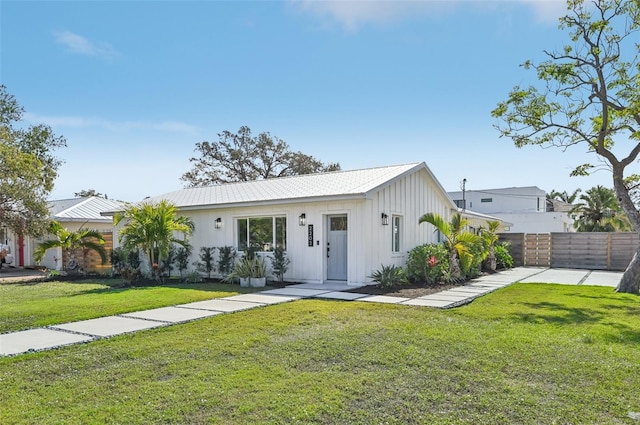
{"points": [[207, 260], [279, 263], [504, 259], [428, 263], [389, 276], [226, 259], [192, 277]]}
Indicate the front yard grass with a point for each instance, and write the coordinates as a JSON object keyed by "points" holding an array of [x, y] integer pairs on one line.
{"points": [[526, 354], [29, 305]]}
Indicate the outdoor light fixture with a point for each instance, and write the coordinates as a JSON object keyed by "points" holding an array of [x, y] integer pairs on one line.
{"points": [[303, 219], [385, 219], [218, 222]]}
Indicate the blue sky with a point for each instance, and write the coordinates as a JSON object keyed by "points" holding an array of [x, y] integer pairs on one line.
{"points": [[134, 85]]}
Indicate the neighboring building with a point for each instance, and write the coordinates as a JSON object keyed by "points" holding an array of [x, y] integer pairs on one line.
{"points": [[526, 208], [338, 226], [72, 214]]}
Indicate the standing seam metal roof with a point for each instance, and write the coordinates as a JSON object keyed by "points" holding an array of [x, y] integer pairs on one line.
{"points": [[287, 189], [83, 209]]}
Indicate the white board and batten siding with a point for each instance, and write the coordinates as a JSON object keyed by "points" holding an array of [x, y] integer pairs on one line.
{"points": [[408, 198], [407, 191]]}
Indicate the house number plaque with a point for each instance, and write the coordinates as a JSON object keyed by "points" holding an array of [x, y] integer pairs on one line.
{"points": [[310, 235]]}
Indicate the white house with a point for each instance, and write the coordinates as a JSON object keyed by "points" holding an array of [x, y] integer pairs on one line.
{"points": [[525, 208], [72, 214], [338, 226]]}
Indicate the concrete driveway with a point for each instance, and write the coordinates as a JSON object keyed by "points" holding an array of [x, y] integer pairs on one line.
{"points": [[574, 277]]}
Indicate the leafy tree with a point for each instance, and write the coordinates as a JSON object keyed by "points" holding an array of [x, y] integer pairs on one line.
{"points": [[28, 169], [88, 193], [70, 242], [151, 228], [600, 211], [240, 156], [589, 95], [459, 242]]}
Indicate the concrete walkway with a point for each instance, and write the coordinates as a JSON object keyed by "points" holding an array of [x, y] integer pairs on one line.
{"points": [[88, 330]]}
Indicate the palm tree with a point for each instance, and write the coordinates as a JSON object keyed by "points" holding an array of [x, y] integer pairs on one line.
{"points": [[71, 241], [152, 228], [564, 196], [600, 212], [489, 237], [458, 241]]}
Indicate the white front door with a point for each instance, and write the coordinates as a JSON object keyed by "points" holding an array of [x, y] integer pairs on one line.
{"points": [[336, 247]]}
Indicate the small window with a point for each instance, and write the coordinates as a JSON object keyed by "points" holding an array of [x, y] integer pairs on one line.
{"points": [[396, 227], [338, 223], [486, 200], [459, 203]]}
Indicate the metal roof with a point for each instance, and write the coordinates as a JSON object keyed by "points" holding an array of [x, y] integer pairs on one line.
{"points": [[83, 209], [332, 185]]}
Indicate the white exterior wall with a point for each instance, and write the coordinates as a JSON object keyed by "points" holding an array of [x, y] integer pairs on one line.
{"points": [[369, 242], [410, 198], [538, 222], [508, 200]]}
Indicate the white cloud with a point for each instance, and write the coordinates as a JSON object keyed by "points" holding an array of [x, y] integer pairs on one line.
{"points": [[352, 14], [103, 124], [81, 45]]}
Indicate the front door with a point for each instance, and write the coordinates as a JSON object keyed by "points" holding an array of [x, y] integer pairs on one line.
{"points": [[337, 247]]}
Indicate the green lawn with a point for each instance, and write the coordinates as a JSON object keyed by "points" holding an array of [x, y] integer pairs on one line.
{"points": [[28, 305], [526, 354]]}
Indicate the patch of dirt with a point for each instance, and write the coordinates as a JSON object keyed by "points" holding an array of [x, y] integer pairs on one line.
{"points": [[408, 291]]}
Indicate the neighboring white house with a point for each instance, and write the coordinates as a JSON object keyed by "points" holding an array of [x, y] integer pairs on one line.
{"points": [[337, 226], [72, 214], [526, 208]]}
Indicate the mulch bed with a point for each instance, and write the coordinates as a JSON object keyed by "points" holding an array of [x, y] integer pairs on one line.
{"points": [[406, 291]]}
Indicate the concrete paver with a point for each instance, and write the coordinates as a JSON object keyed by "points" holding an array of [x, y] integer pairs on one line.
{"points": [[600, 278], [172, 314], [428, 302], [446, 297], [108, 326], [562, 276], [261, 298], [219, 304], [37, 339], [468, 290], [345, 296], [296, 292], [383, 299]]}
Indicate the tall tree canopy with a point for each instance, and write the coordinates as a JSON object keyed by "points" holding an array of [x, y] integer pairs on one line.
{"points": [[86, 193], [590, 95], [28, 169], [240, 156]]}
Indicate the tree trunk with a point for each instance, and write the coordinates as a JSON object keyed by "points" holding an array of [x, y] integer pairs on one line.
{"points": [[454, 265], [630, 282]]}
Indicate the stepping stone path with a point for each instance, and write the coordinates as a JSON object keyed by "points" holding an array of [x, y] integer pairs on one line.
{"points": [[89, 330]]}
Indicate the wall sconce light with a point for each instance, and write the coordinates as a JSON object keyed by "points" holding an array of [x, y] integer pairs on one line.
{"points": [[385, 219], [218, 223], [302, 219]]}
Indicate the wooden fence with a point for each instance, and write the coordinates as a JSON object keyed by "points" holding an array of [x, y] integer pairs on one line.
{"points": [[90, 259], [593, 250]]}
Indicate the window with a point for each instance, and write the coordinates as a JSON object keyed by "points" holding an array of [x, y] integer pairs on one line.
{"points": [[486, 200], [262, 233], [396, 222], [459, 203]]}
